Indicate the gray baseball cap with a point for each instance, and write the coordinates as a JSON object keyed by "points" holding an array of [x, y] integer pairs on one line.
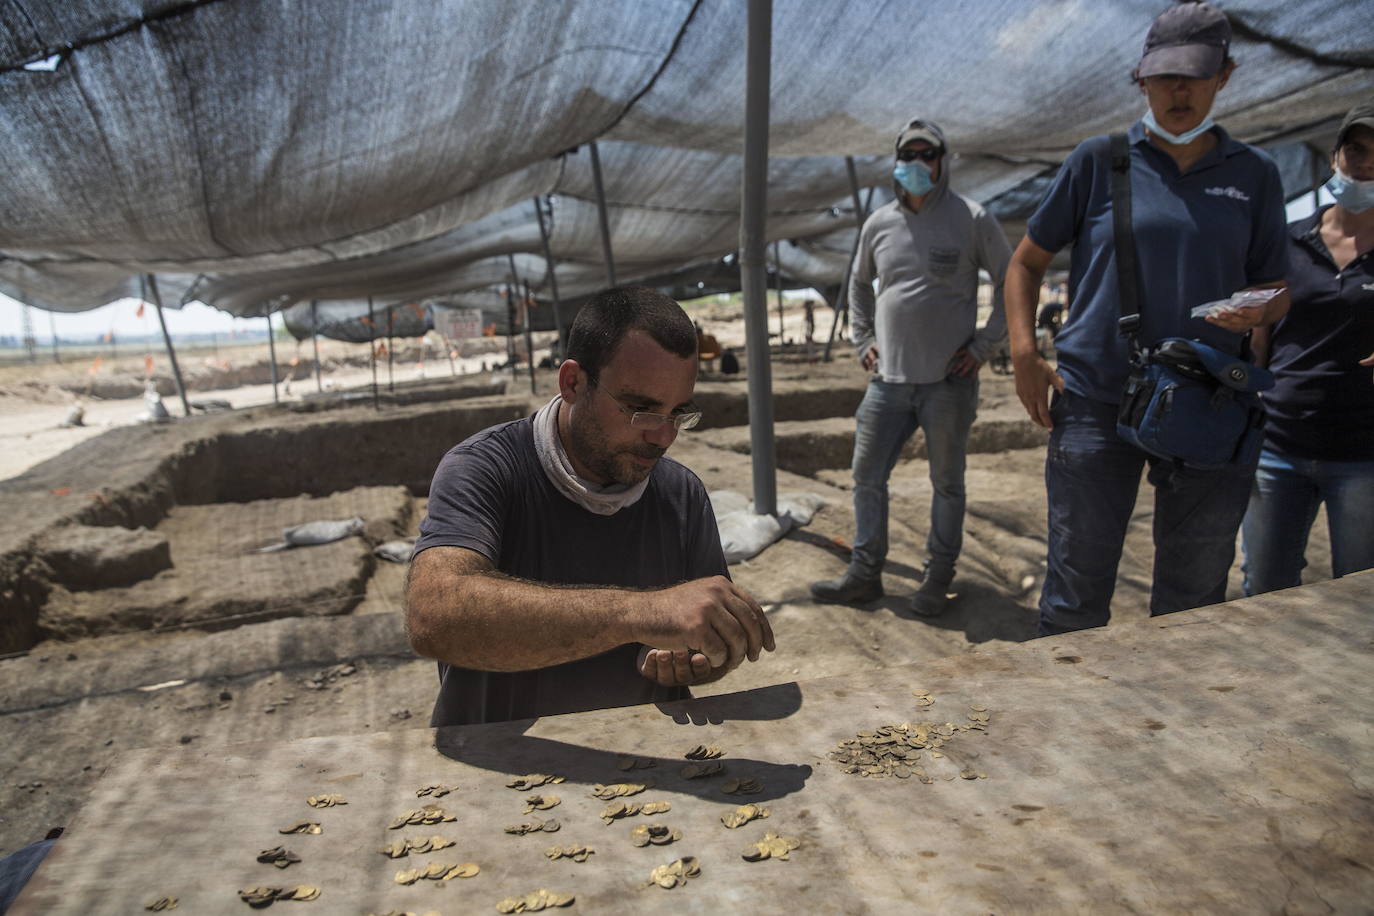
{"points": [[1362, 115], [1189, 39], [921, 130]]}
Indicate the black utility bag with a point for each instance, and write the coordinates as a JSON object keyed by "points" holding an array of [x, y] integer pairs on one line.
{"points": [[1184, 400]]}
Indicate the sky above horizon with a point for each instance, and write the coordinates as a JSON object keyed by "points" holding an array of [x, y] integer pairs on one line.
{"points": [[122, 317]]}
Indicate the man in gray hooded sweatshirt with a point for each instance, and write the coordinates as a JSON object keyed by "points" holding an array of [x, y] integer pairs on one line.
{"points": [[920, 337]]}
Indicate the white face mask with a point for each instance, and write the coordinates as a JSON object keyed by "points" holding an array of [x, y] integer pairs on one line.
{"points": [[1176, 139], [1352, 195]]}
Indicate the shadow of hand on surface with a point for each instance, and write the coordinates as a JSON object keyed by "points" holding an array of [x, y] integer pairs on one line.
{"points": [[505, 747]]}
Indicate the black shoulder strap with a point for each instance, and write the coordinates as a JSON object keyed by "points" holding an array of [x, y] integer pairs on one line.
{"points": [[1124, 237]]}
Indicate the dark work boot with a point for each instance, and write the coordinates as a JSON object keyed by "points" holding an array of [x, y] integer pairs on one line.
{"points": [[932, 598], [851, 588]]}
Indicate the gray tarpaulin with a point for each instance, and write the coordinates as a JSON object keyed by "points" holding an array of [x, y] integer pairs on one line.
{"points": [[273, 153]]}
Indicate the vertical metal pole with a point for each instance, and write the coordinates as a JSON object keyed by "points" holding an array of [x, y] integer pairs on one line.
{"points": [[601, 211], [272, 356], [777, 266], [512, 289], [552, 277], [29, 341], [372, 350], [52, 329], [390, 355], [167, 339], [529, 337], [860, 216], [315, 339], [753, 245]]}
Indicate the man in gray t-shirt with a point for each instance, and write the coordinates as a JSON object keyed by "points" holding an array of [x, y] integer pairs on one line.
{"points": [[564, 564], [920, 336]]}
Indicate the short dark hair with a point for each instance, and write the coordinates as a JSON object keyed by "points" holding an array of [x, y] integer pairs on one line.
{"points": [[609, 315]]}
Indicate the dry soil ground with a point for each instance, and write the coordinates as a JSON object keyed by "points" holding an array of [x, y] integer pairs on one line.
{"points": [[69, 706]]}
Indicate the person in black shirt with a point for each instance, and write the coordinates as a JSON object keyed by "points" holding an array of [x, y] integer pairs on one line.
{"points": [[564, 563], [1319, 439]]}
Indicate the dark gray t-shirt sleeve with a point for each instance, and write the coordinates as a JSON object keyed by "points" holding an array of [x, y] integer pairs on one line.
{"points": [[467, 499]]}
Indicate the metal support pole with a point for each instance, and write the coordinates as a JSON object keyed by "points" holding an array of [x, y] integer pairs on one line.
{"points": [[601, 211], [860, 215], [315, 339], [529, 338], [372, 350], [167, 339], [777, 266], [52, 329], [552, 276], [271, 356], [512, 284], [753, 246], [390, 356]]}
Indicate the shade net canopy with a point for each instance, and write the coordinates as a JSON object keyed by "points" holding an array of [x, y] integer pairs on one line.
{"points": [[258, 155]]}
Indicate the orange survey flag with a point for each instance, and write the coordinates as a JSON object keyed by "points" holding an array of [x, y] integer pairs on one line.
{"points": [[148, 366], [139, 313]]}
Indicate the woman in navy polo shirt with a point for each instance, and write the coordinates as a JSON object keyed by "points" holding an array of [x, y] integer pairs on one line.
{"points": [[1208, 220], [1319, 441]]}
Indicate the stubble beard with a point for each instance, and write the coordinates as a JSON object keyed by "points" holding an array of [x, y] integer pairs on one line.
{"points": [[589, 442]]}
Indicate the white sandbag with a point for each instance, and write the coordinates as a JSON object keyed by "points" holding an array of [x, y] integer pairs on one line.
{"points": [[744, 534]]}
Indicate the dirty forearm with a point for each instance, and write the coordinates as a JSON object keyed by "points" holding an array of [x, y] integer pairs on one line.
{"points": [[478, 618]]}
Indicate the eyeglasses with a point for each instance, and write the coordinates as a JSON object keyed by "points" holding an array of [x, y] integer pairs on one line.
{"points": [[930, 154], [643, 419]]}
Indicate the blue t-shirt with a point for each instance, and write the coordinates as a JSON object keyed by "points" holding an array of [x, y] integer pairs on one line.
{"points": [[491, 495], [1199, 236], [1322, 403]]}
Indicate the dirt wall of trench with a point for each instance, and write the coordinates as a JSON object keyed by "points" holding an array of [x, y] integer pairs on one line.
{"points": [[132, 476]]}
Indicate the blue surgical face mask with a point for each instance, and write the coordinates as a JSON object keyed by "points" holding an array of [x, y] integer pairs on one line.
{"points": [[914, 177], [1352, 195], [1176, 139]]}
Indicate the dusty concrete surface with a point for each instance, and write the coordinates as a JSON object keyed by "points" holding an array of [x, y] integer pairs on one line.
{"points": [[1213, 760]]}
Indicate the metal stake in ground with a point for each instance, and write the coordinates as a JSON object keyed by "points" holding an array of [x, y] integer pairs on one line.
{"points": [[151, 283], [753, 243]]}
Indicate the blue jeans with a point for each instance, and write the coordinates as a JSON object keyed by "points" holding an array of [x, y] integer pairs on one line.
{"points": [[1283, 504], [888, 416], [1092, 477]]}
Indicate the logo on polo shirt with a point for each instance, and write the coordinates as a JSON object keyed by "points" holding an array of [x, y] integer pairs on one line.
{"points": [[1232, 192]]}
